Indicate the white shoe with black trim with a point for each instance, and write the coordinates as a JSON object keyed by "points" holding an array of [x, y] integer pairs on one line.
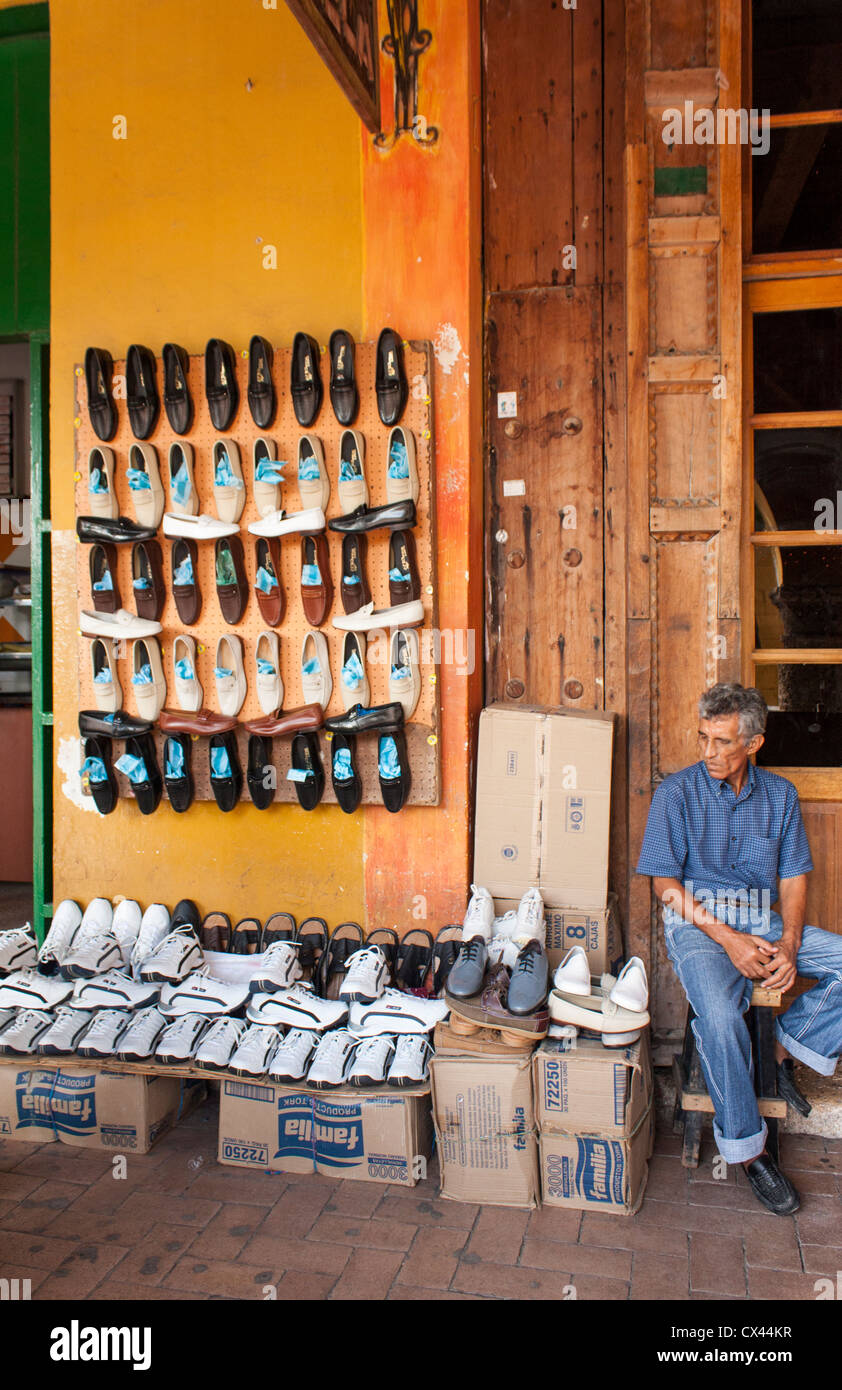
{"points": [[179, 1040], [174, 958], [101, 1038], [67, 1028], [396, 1012], [27, 989], [202, 994], [280, 969], [67, 919], [126, 925], [154, 926], [6, 1016], [332, 1060], [22, 1034], [18, 949], [113, 990], [365, 977], [256, 1049], [141, 1036], [293, 1055], [411, 1062], [371, 1061], [91, 954], [219, 1042], [298, 1007]]}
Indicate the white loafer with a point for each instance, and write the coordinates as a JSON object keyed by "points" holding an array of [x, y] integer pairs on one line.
{"points": [[573, 975], [597, 1012], [230, 689], [283, 523], [355, 691], [353, 489], [102, 499], [198, 528], [148, 501], [180, 467], [316, 685], [632, 989], [314, 492], [228, 497], [188, 691], [367, 618], [108, 693], [404, 670], [270, 687], [119, 626], [150, 697], [401, 489]]}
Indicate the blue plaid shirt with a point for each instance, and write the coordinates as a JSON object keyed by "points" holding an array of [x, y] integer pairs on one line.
{"points": [[712, 841]]}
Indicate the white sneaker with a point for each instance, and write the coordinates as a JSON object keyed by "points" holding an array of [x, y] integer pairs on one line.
{"points": [[573, 974], [67, 1028], [120, 625], [200, 993], [293, 1055], [18, 949], [411, 1063], [67, 918], [23, 1033], [405, 670], [396, 1012], [219, 1042], [114, 990], [314, 492], [371, 1061], [154, 926], [270, 687], [150, 696], [332, 1060], [401, 442], [125, 925], [365, 977], [530, 917], [188, 690], [173, 958], [353, 489], [631, 990], [179, 1040], [298, 1007], [283, 523], [506, 926], [316, 685], [281, 967], [503, 950], [97, 918], [229, 499], [198, 528], [91, 954], [101, 1038], [231, 688], [479, 918], [6, 1016], [141, 1036], [108, 692], [367, 618], [255, 1051], [28, 989]]}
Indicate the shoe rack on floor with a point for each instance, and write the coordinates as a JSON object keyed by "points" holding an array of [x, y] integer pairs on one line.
{"points": [[423, 731]]}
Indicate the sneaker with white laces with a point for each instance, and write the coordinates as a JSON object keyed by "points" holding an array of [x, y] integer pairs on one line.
{"points": [[18, 949], [173, 958], [114, 990], [298, 1007], [91, 954], [202, 994], [396, 1012], [67, 1028], [97, 917], [255, 1051], [530, 917], [219, 1042], [479, 918], [281, 968], [28, 989], [142, 1034], [293, 1055], [101, 1038], [23, 1033], [67, 919], [371, 1061], [6, 1016], [126, 925], [366, 976], [154, 926], [505, 926], [179, 1040], [411, 1062], [332, 1060]]}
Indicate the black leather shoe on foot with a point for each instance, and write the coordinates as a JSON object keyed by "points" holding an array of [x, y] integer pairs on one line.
{"points": [[306, 758], [771, 1187], [101, 407], [305, 379], [395, 789], [221, 389], [262, 400], [344, 396], [178, 403], [788, 1090], [142, 391], [260, 777], [347, 789], [147, 794], [179, 789], [104, 793], [390, 378], [226, 789]]}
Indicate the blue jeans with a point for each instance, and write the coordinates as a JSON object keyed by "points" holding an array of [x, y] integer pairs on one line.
{"points": [[810, 1030]]}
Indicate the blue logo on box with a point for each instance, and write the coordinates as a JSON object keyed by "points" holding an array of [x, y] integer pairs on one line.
{"points": [[316, 1129], [509, 851], [65, 1102], [576, 815], [599, 1170]]}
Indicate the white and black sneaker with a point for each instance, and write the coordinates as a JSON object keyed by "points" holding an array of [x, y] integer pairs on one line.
{"points": [[281, 968], [173, 958], [411, 1062], [371, 1061], [113, 990], [91, 954], [102, 1036], [141, 1036], [154, 926], [180, 1039], [298, 1007], [126, 925], [396, 1012], [67, 919], [6, 1016], [292, 1058], [22, 1034], [202, 994], [67, 1028], [255, 1051], [222, 1038], [332, 1060], [365, 977], [28, 989], [18, 949]]}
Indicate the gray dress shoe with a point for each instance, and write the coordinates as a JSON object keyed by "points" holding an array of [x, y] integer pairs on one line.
{"points": [[466, 977], [530, 979]]}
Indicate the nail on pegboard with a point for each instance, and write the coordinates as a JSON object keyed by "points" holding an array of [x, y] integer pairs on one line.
{"points": [[423, 731]]}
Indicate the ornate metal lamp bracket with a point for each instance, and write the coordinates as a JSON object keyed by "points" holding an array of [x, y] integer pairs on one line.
{"points": [[404, 45]]}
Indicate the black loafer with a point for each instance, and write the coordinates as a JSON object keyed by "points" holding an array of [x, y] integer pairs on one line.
{"points": [[226, 790], [148, 568], [262, 400], [395, 790], [103, 561], [348, 790], [397, 515], [221, 389], [359, 720], [142, 390], [344, 395], [305, 379], [788, 1090], [119, 532], [180, 790], [94, 724], [260, 759], [105, 794], [188, 597], [147, 794], [306, 758], [178, 402], [390, 377], [101, 408], [771, 1187], [403, 557]]}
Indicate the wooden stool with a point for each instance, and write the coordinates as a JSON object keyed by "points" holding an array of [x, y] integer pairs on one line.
{"points": [[691, 1095]]}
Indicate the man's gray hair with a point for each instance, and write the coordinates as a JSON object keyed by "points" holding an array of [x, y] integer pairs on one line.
{"points": [[743, 700]]}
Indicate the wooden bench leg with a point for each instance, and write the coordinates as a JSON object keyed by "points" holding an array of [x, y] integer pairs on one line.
{"points": [[692, 1138]]}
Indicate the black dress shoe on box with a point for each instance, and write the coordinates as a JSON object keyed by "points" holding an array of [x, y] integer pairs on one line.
{"points": [[263, 403], [390, 378], [348, 790], [105, 794], [178, 403], [120, 532], [305, 758], [403, 558], [260, 783], [103, 567], [148, 569], [359, 720], [101, 408], [221, 389], [344, 395], [188, 597], [788, 1090], [354, 595], [142, 390], [180, 790], [397, 515], [771, 1187], [94, 724], [395, 790], [226, 790], [147, 794], [305, 379]]}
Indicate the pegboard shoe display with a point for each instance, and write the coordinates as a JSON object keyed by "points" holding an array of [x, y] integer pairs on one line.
{"points": [[282, 523]]}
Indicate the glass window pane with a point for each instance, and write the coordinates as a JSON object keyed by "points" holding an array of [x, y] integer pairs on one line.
{"points": [[798, 361], [804, 728], [797, 190], [797, 57], [797, 476], [798, 596]]}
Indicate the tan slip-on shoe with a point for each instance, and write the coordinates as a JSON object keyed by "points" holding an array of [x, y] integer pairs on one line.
{"points": [[184, 499], [352, 486], [229, 489], [401, 468], [404, 658], [313, 481], [270, 687], [148, 501], [267, 495], [230, 688], [188, 691], [102, 499], [316, 683], [108, 694], [355, 688], [150, 696]]}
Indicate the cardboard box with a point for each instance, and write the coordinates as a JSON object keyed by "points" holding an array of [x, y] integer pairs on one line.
{"points": [[92, 1109], [592, 1089], [543, 804], [383, 1136], [485, 1129], [599, 932], [595, 1172]]}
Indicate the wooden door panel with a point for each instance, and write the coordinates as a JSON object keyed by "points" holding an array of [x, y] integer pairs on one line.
{"points": [[823, 823]]}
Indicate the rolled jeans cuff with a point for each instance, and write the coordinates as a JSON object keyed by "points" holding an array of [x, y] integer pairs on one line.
{"points": [[825, 1066], [740, 1150]]}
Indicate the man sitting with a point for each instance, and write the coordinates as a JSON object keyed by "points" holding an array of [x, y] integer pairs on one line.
{"points": [[724, 840]]}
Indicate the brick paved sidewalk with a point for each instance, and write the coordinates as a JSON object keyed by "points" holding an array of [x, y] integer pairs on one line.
{"points": [[180, 1225]]}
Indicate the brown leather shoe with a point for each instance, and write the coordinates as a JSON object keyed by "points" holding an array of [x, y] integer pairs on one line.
{"points": [[489, 1009], [203, 722], [354, 595], [231, 583], [305, 719], [272, 603], [188, 597], [148, 579], [403, 557], [316, 599], [103, 562]]}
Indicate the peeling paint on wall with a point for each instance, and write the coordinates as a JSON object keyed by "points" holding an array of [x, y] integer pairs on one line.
{"points": [[68, 761], [447, 347]]}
